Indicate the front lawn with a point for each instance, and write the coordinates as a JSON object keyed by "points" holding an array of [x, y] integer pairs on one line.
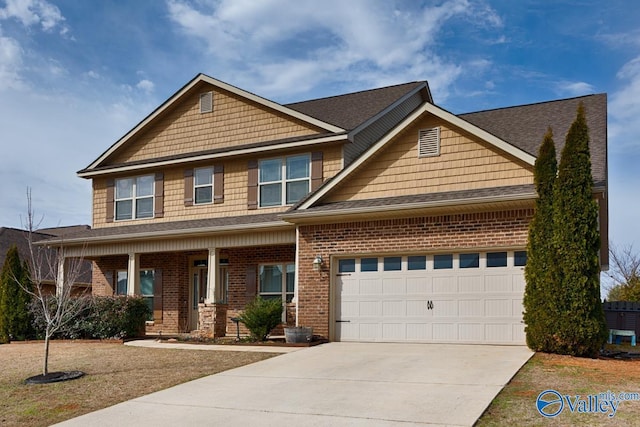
{"points": [[114, 373], [516, 404]]}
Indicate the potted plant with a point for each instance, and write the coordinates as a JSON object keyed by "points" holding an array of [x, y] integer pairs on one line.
{"points": [[298, 334]]}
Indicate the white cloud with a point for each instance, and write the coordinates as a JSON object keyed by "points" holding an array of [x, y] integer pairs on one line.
{"points": [[34, 12], [575, 88], [285, 47], [624, 108], [145, 85], [10, 63]]}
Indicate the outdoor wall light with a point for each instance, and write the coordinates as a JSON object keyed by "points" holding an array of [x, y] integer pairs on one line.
{"points": [[317, 263]]}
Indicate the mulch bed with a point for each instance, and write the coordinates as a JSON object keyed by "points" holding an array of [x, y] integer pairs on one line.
{"points": [[54, 377]]}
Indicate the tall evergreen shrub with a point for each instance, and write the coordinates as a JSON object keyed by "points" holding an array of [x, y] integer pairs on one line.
{"points": [[580, 328], [539, 291], [15, 317]]}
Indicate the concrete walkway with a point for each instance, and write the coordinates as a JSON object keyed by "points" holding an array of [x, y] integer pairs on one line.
{"points": [[337, 384], [213, 347]]}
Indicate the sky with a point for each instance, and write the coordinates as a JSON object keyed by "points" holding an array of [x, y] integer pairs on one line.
{"points": [[77, 75]]}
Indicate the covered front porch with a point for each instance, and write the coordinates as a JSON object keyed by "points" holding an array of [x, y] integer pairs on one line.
{"points": [[196, 280]]}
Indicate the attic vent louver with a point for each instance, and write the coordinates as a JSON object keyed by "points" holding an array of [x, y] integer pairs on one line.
{"points": [[206, 102], [429, 142]]}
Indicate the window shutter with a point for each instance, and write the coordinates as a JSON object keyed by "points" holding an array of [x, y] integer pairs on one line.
{"points": [[157, 296], [316, 170], [206, 102], [252, 188], [110, 199], [251, 282], [429, 142], [108, 274], [158, 207], [188, 187], [218, 184]]}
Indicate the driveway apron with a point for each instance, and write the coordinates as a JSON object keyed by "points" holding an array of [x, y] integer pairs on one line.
{"points": [[336, 384]]}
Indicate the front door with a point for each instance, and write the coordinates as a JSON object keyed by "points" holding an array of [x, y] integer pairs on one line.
{"points": [[198, 293]]}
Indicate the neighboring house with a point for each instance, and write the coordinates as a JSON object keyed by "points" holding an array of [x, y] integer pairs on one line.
{"points": [[374, 216], [20, 238]]}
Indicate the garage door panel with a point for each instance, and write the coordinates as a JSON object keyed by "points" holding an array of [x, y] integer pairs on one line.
{"points": [[370, 309], [369, 331], [419, 286], [418, 308], [394, 332], [471, 332], [498, 283], [471, 308], [499, 332], [499, 307], [445, 332], [445, 284], [470, 284], [419, 332], [397, 308], [445, 308], [371, 286], [394, 286]]}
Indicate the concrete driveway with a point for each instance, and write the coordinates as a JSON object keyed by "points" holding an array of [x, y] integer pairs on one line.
{"points": [[337, 384]]}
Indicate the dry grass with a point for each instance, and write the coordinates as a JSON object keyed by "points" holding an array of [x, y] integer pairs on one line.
{"points": [[114, 373], [516, 403]]}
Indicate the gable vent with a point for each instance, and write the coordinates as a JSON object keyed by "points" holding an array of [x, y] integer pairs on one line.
{"points": [[206, 102], [429, 142]]}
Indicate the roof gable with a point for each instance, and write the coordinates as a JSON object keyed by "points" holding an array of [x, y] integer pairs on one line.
{"points": [[191, 90], [426, 109]]}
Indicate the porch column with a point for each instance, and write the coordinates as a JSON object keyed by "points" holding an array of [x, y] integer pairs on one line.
{"points": [[133, 274], [60, 274], [212, 276]]}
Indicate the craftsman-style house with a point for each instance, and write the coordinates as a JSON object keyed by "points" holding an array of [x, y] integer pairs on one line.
{"points": [[374, 216]]}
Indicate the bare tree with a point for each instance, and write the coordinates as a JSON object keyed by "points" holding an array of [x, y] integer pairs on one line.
{"points": [[624, 272], [46, 265]]}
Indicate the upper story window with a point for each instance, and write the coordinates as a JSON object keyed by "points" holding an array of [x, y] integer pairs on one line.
{"points": [[283, 181], [134, 197], [203, 185]]}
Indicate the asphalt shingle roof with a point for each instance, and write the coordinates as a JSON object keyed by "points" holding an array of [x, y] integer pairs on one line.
{"points": [[353, 109], [524, 126]]}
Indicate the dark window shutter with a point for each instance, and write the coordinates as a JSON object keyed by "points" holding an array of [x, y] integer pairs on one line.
{"points": [[111, 290], [188, 187], [157, 296], [110, 199], [252, 188], [316, 170], [218, 184], [251, 282], [158, 207]]}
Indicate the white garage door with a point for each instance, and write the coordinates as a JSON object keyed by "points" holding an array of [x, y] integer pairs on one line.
{"points": [[445, 298]]}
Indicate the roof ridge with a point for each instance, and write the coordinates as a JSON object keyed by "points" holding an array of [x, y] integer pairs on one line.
{"points": [[354, 93], [532, 104]]}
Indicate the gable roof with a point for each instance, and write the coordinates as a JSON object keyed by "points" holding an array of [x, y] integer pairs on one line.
{"points": [[525, 125], [351, 110], [200, 78], [517, 131]]}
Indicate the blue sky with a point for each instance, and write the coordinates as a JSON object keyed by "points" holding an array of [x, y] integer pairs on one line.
{"points": [[77, 75]]}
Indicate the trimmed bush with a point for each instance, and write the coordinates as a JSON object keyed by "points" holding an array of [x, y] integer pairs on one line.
{"points": [[261, 316], [102, 318]]}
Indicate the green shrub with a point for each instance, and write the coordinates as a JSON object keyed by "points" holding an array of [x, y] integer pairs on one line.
{"points": [[103, 317], [261, 316]]}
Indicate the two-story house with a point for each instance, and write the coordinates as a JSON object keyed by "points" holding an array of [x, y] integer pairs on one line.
{"points": [[374, 216]]}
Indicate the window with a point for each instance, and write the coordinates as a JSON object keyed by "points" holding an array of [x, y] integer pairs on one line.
{"points": [[203, 185], [393, 263], [146, 289], [347, 265], [369, 264], [122, 277], [520, 258], [283, 181], [496, 259], [134, 197], [441, 262], [277, 281], [417, 262], [470, 260]]}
